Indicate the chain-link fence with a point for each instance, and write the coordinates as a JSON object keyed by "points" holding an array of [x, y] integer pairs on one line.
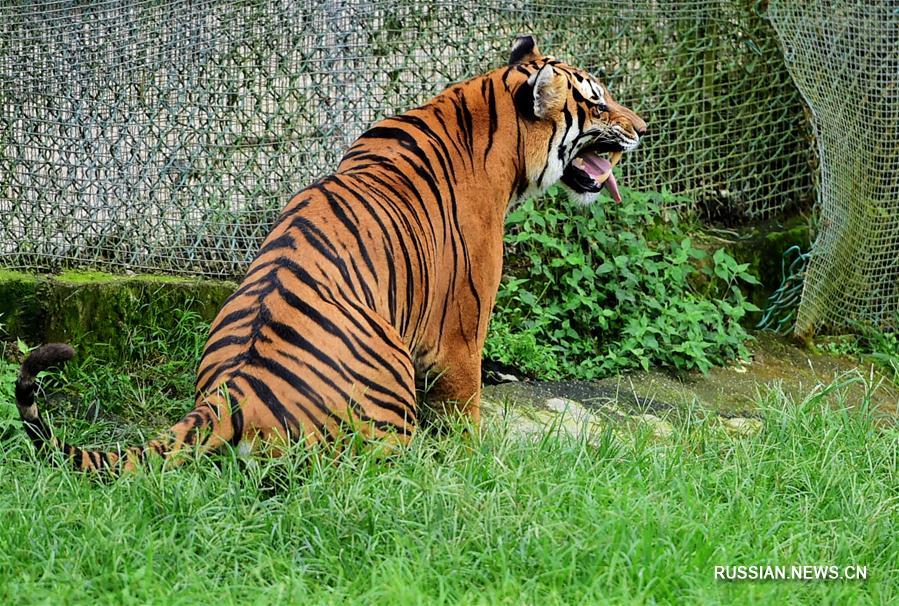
{"points": [[165, 135], [844, 56]]}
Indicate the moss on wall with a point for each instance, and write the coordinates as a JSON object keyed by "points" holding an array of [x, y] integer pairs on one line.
{"points": [[20, 309], [87, 308], [763, 247]]}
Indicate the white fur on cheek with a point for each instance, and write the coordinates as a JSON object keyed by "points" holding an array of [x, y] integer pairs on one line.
{"points": [[541, 176], [581, 198]]}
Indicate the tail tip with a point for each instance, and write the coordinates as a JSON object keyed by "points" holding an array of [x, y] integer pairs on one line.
{"points": [[47, 356]]}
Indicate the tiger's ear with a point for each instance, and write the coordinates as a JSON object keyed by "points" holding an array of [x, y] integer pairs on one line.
{"points": [[524, 49], [549, 91]]}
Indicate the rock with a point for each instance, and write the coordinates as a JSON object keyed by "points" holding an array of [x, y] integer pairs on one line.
{"points": [[568, 417], [563, 405], [742, 426], [660, 427]]}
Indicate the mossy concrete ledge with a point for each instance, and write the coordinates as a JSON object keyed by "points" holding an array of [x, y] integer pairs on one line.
{"points": [[88, 308]]}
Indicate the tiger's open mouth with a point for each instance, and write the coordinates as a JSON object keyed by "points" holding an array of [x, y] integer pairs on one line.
{"points": [[591, 170]]}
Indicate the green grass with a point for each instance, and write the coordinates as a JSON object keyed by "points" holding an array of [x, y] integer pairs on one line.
{"points": [[495, 520], [500, 519]]}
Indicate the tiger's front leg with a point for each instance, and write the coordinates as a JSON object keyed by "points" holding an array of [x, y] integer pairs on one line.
{"points": [[455, 393], [458, 346]]}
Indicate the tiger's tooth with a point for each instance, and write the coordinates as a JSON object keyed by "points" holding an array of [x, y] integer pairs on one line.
{"points": [[615, 158]]}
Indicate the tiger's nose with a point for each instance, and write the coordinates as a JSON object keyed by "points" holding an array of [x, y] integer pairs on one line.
{"points": [[639, 125]]}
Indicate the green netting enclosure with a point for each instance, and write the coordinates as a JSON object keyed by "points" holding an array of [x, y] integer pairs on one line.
{"points": [[844, 57], [166, 135]]}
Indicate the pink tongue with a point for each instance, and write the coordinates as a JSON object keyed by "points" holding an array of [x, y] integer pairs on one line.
{"points": [[612, 185], [596, 167]]}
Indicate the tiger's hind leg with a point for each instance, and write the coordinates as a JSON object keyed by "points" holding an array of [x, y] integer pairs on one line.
{"points": [[455, 394], [382, 405]]}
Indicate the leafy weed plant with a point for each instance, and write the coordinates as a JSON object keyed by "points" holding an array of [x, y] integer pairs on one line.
{"points": [[880, 346], [594, 290]]}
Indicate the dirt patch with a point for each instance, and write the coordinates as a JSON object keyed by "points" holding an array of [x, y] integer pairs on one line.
{"points": [[731, 393]]}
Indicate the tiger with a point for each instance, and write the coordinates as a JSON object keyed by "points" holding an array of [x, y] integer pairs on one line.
{"points": [[383, 275]]}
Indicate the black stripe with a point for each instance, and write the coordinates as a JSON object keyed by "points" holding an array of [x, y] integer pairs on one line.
{"points": [[397, 196], [463, 115], [443, 154], [237, 425], [350, 341], [523, 97], [299, 385], [334, 202], [369, 317], [292, 379], [234, 316], [493, 119], [286, 418], [549, 147], [322, 292], [569, 121], [282, 241], [402, 241], [323, 246], [460, 134], [448, 135], [388, 252], [226, 341]]}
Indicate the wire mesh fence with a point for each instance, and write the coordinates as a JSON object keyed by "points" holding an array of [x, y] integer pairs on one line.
{"points": [[844, 56], [165, 135]]}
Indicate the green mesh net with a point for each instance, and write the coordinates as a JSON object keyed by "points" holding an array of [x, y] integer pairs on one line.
{"points": [[166, 135], [844, 57]]}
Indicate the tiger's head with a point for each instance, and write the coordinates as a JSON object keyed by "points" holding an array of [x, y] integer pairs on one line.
{"points": [[576, 132]]}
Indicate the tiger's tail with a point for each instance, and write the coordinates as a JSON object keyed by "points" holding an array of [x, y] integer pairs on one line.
{"points": [[207, 426]]}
